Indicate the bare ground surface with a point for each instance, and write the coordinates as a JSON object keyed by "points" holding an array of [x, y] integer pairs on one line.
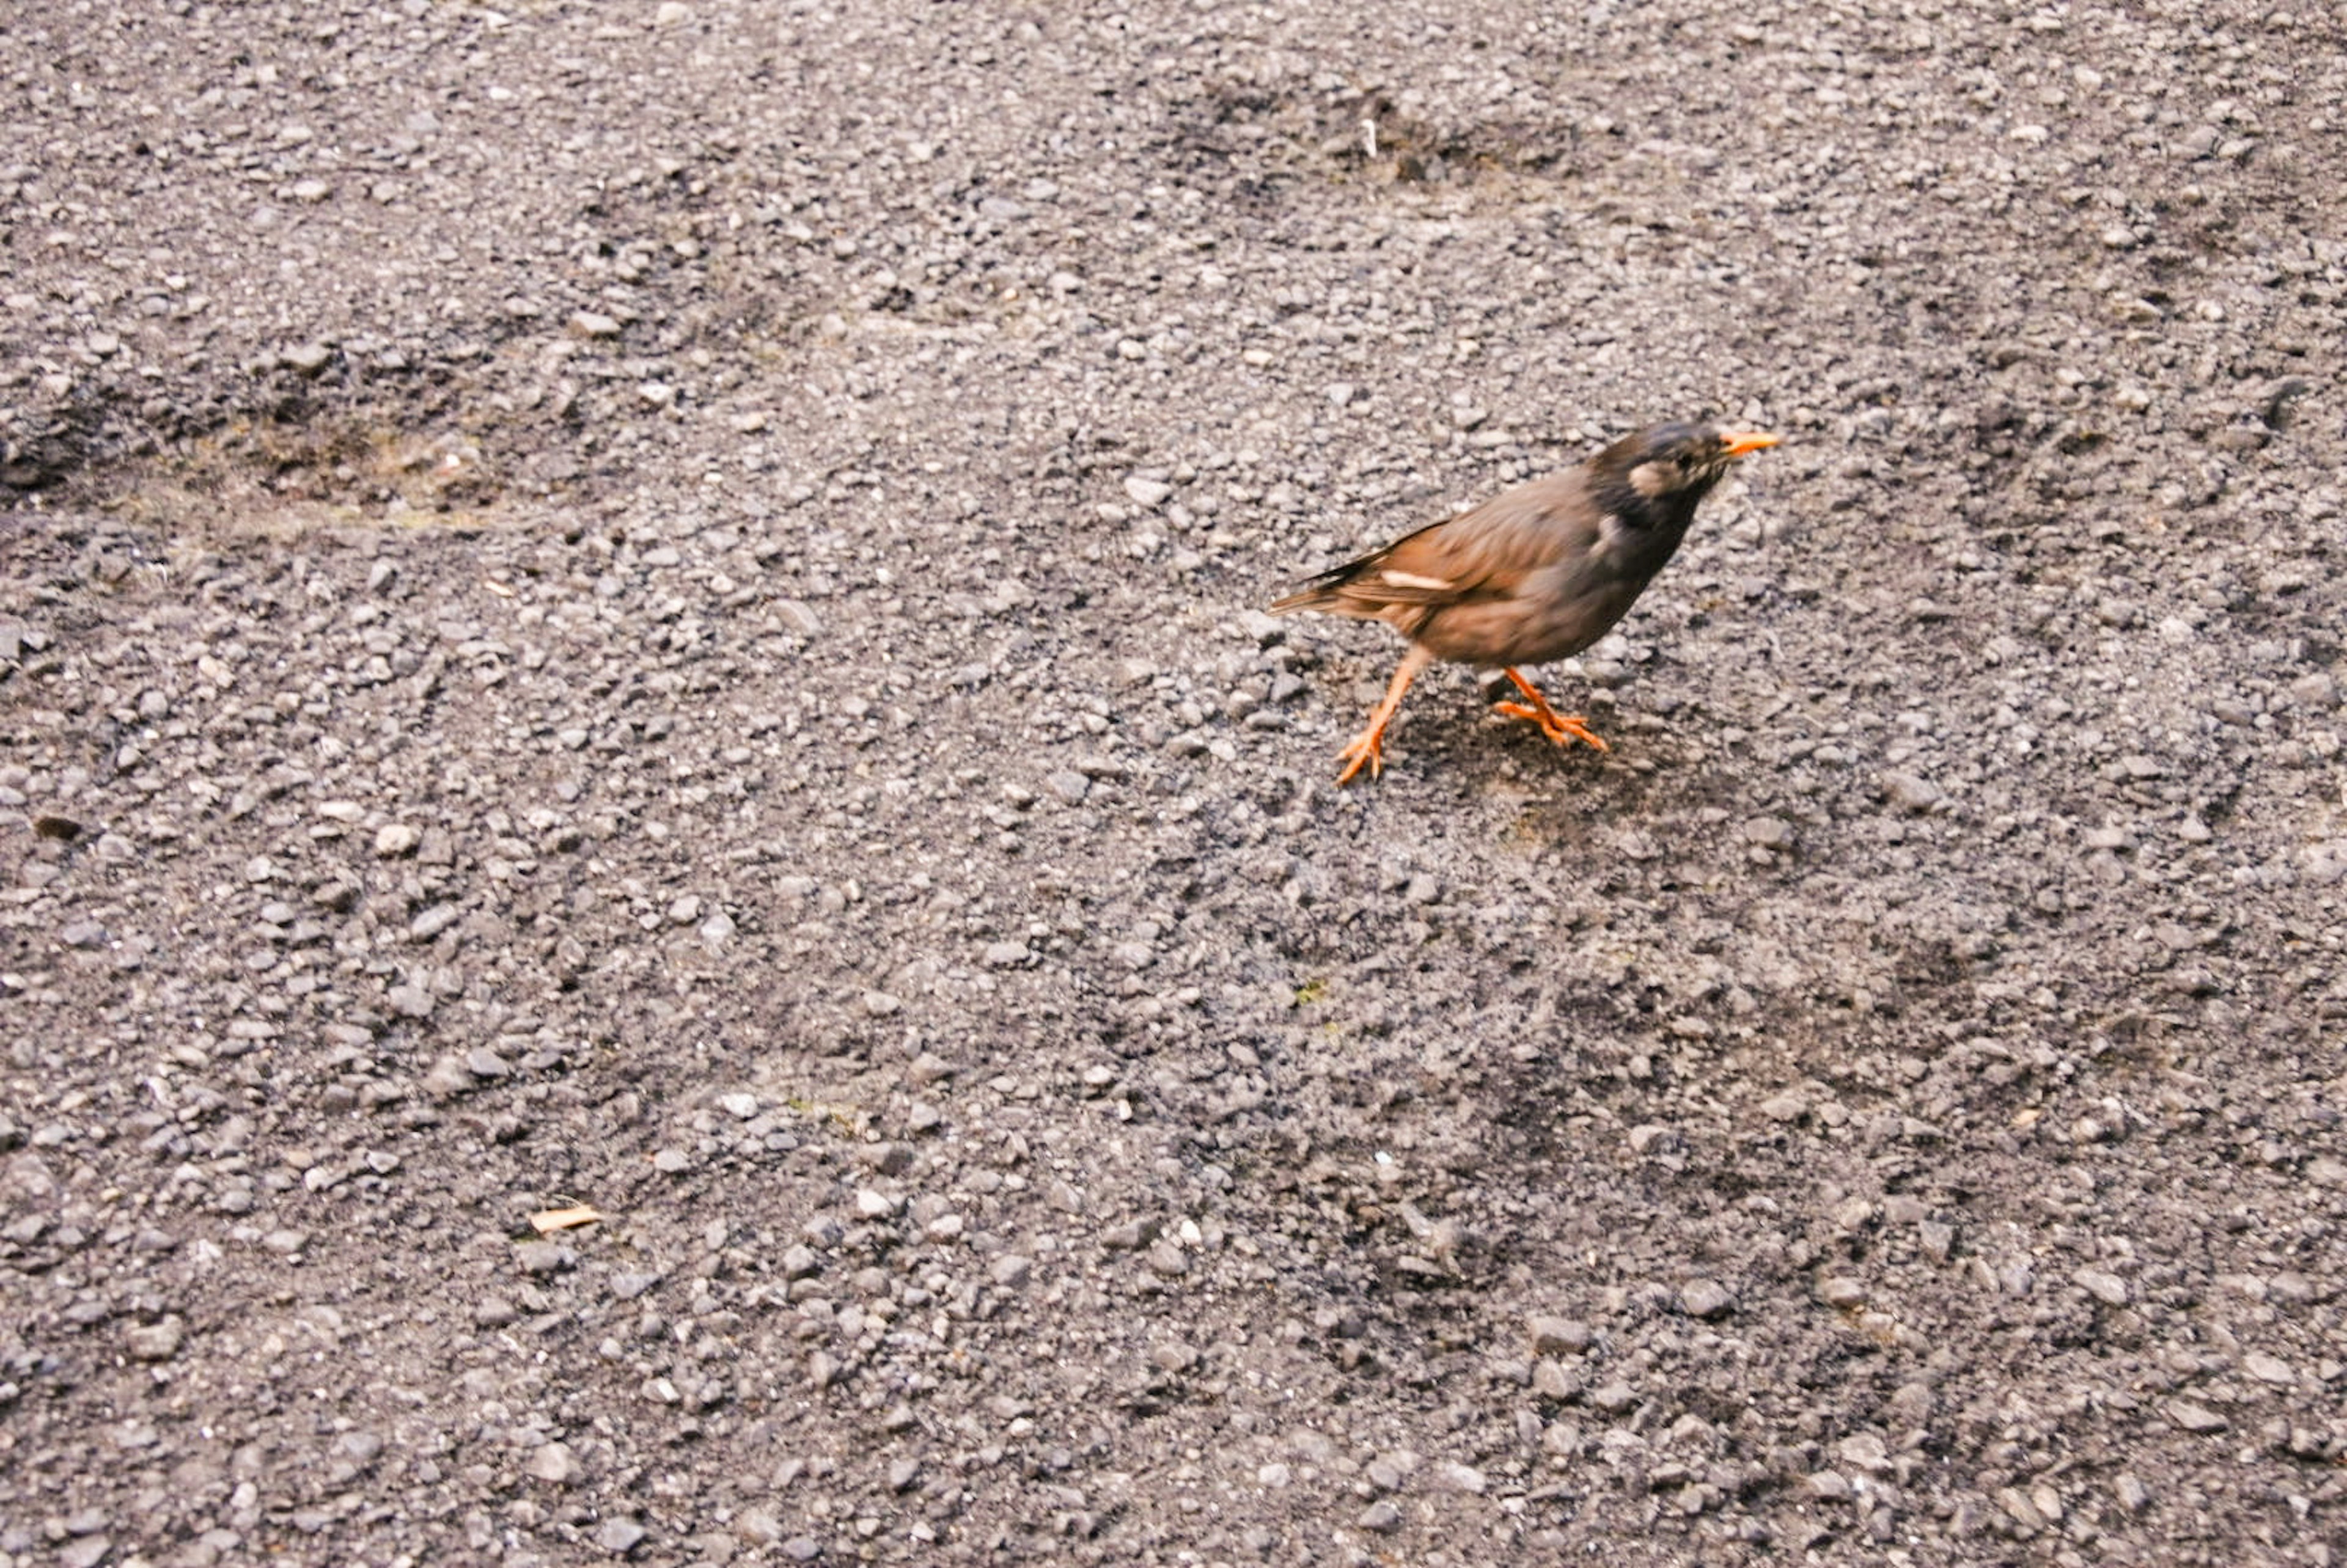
{"points": [[658, 607]]}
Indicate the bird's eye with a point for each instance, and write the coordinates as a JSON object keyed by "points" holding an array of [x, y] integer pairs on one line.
{"points": [[1686, 462]]}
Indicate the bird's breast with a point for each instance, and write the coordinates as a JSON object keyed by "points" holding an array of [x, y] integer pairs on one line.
{"points": [[1583, 610]]}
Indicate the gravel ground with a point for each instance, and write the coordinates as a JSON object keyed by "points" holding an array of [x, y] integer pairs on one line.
{"points": [[658, 606]]}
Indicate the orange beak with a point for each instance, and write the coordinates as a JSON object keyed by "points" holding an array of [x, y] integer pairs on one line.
{"points": [[1736, 443]]}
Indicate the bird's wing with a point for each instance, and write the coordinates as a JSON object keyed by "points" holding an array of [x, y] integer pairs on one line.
{"points": [[1478, 556]]}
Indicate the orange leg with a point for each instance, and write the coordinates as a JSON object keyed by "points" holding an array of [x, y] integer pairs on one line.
{"points": [[1368, 747], [1558, 727]]}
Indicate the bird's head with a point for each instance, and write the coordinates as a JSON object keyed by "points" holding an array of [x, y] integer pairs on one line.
{"points": [[1668, 466]]}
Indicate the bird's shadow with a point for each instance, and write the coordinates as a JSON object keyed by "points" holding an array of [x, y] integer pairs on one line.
{"points": [[1661, 773], [1651, 790]]}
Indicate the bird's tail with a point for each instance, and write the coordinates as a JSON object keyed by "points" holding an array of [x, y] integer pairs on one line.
{"points": [[1322, 592], [1317, 597]]}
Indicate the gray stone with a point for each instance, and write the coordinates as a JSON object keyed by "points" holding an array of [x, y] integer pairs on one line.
{"points": [[2107, 1288], [449, 1077], [1461, 1478], [619, 1535], [157, 1341], [1613, 1397], [1911, 793], [84, 1552], [2193, 1417], [553, 1463], [1706, 1298], [1552, 1335]]}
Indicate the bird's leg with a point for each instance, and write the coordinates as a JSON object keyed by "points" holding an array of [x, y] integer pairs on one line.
{"points": [[1368, 747], [1558, 727]]}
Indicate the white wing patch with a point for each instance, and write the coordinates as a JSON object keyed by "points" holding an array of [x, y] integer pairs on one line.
{"points": [[1412, 580]]}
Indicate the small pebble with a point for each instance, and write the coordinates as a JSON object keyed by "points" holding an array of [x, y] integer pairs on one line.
{"points": [[619, 1535], [1706, 1298], [1615, 1398], [1842, 1292], [157, 1341], [1911, 793], [551, 1462], [2193, 1417], [1552, 1335], [2107, 1288]]}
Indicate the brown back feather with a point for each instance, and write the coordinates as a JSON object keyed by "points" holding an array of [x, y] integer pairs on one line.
{"points": [[1477, 556]]}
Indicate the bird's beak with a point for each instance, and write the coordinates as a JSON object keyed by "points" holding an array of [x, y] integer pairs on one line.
{"points": [[1736, 443]]}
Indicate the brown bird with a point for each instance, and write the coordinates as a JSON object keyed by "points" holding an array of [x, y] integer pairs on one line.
{"points": [[1537, 573]]}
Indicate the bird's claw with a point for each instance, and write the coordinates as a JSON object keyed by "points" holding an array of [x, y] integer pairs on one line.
{"points": [[1365, 748], [1558, 727]]}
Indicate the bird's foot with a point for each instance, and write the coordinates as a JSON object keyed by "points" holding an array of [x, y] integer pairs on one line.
{"points": [[1558, 727], [1535, 708], [1366, 749]]}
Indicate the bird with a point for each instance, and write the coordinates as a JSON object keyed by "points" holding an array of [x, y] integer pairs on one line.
{"points": [[1534, 574]]}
